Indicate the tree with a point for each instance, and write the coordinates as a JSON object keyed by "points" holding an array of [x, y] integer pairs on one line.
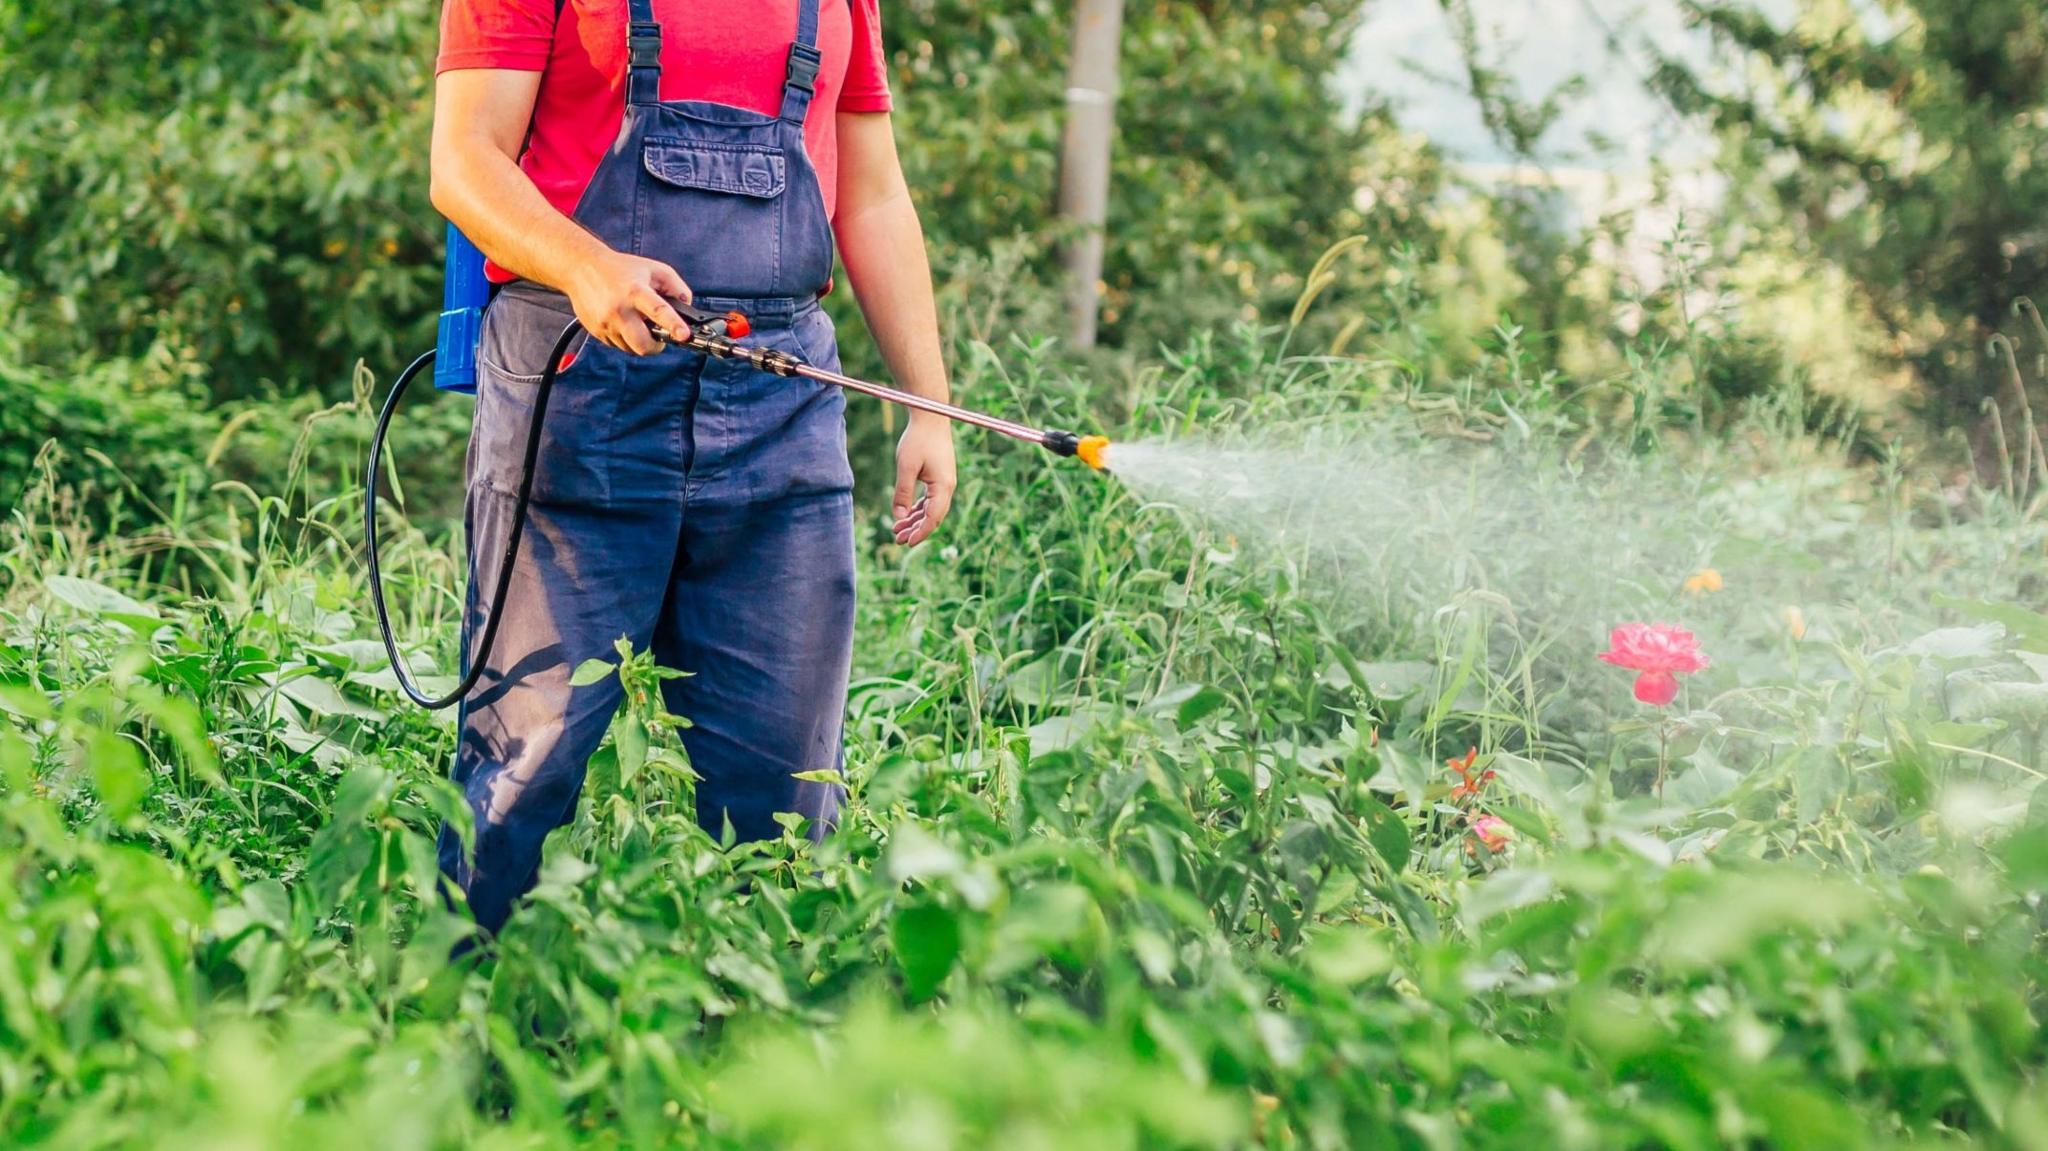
{"points": [[1236, 165], [237, 185], [1907, 142], [1084, 158]]}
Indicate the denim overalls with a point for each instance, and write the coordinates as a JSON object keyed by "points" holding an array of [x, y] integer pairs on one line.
{"points": [[696, 507]]}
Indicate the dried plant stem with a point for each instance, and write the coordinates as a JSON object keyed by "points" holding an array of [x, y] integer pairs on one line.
{"points": [[2032, 464], [2025, 306], [2004, 449], [1663, 756]]}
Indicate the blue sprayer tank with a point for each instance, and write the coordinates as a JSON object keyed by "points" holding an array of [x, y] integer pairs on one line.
{"points": [[464, 292]]}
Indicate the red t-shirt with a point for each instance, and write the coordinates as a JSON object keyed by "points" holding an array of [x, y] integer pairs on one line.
{"points": [[708, 52]]}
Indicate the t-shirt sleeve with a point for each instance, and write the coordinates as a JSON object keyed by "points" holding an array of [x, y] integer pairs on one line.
{"points": [[511, 34], [867, 67]]}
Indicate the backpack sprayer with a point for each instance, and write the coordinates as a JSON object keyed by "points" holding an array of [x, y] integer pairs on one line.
{"points": [[464, 294]]}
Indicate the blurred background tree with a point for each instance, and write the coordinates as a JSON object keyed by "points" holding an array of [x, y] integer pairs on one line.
{"points": [[1236, 162], [237, 186], [246, 184], [1905, 142]]}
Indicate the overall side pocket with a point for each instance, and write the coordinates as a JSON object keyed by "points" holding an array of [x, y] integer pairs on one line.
{"points": [[821, 429], [573, 466]]}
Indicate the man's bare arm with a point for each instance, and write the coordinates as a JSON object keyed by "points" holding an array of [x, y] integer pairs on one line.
{"points": [[882, 244], [480, 122]]}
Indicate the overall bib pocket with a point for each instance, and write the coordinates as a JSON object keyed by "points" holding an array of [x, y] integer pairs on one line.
{"points": [[712, 209], [573, 467]]}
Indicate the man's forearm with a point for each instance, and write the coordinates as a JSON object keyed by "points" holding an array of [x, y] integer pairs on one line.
{"points": [[485, 194], [480, 120], [882, 245]]}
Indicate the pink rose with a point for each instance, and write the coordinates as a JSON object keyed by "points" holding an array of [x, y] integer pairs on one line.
{"points": [[1493, 831], [1660, 653]]}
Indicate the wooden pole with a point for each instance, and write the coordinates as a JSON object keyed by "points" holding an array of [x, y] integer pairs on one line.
{"points": [[1084, 158]]}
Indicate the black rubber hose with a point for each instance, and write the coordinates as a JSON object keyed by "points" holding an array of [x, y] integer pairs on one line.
{"points": [[481, 657]]}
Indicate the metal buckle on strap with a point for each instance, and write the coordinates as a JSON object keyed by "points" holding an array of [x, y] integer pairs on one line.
{"points": [[644, 45], [804, 62]]}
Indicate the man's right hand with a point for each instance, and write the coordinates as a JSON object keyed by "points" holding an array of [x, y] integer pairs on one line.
{"points": [[618, 296]]}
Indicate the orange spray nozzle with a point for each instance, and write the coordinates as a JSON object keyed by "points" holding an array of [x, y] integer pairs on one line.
{"points": [[1094, 451]]}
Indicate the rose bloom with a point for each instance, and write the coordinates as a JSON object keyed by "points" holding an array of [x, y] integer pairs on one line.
{"points": [[1660, 653], [1493, 831]]}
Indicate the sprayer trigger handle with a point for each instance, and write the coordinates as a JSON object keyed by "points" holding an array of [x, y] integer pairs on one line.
{"points": [[732, 324]]}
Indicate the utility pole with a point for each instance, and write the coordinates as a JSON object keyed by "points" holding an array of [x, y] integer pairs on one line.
{"points": [[1084, 158]]}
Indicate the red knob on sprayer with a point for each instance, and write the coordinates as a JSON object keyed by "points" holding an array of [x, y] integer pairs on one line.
{"points": [[736, 326]]}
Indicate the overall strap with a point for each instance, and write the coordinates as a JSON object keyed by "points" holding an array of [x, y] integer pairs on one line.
{"points": [[643, 54], [804, 60]]}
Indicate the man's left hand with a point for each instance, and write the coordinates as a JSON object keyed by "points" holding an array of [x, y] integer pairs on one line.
{"points": [[924, 455]]}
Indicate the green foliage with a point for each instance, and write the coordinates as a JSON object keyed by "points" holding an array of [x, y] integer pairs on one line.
{"points": [[125, 426], [1909, 145], [243, 187], [1148, 843], [1234, 163]]}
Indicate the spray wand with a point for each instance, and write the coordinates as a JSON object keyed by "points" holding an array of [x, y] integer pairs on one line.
{"points": [[711, 333], [717, 335]]}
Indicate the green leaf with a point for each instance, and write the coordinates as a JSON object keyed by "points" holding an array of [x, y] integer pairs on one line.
{"points": [[1707, 782], [339, 853], [1387, 831], [632, 743], [1036, 683], [2026, 858], [750, 975], [1957, 642], [269, 904], [351, 654], [303, 686], [98, 599], [1042, 921], [385, 680], [28, 702], [926, 939], [1505, 891], [1984, 696], [1738, 910], [603, 772], [914, 854], [118, 774], [2029, 627], [1060, 732], [592, 671], [1198, 705], [1348, 955]]}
